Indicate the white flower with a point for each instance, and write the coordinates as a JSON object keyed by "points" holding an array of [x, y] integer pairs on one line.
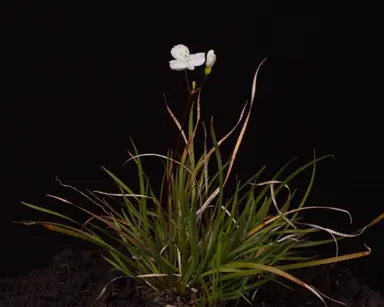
{"points": [[211, 59], [183, 59]]}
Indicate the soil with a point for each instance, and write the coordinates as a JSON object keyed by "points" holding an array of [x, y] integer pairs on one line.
{"points": [[75, 279]]}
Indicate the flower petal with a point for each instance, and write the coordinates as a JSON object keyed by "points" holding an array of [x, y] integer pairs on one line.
{"points": [[190, 66], [180, 52], [197, 59], [211, 58], [178, 65]]}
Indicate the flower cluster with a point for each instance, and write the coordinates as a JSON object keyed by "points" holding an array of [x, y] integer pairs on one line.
{"points": [[183, 59]]}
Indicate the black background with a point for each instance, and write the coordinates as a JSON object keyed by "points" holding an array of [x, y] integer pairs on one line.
{"points": [[79, 82]]}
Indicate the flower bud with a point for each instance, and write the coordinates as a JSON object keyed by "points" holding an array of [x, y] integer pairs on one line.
{"points": [[211, 59]]}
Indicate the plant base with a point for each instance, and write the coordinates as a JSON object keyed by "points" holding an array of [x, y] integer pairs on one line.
{"points": [[76, 279]]}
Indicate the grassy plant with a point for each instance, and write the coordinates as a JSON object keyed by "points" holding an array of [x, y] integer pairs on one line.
{"points": [[189, 242]]}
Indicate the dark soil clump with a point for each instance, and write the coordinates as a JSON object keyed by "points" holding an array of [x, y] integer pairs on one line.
{"points": [[77, 279]]}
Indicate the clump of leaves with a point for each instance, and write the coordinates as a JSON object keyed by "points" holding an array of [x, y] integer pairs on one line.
{"points": [[188, 243]]}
